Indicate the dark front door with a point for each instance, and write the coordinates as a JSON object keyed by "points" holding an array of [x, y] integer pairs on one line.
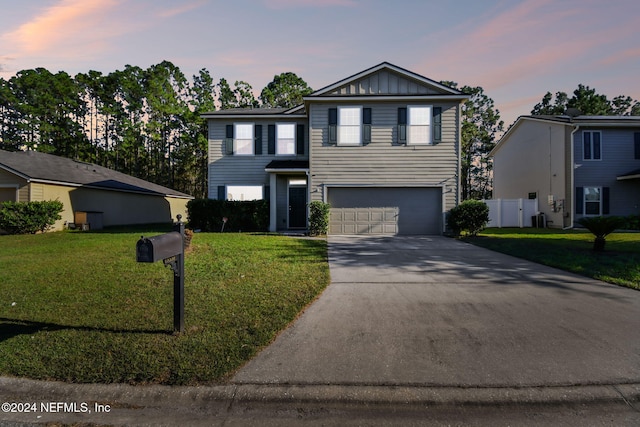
{"points": [[297, 207]]}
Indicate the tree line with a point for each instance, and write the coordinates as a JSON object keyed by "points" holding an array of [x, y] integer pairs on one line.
{"points": [[146, 122], [143, 122]]}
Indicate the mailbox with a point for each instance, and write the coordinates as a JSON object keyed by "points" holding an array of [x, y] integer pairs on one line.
{"points": [[158, 248]]}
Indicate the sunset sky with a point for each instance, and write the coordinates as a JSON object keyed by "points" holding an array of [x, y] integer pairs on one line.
{"points": [[515, 50]]}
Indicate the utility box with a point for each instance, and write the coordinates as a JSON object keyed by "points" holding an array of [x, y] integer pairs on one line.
{"points": [[159, 248], [88, 220]]}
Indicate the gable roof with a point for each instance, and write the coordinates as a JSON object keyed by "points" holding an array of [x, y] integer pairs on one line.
{"points": [[387, 79], [47, 168]]}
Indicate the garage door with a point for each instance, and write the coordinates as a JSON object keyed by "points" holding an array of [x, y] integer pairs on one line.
{"points": [[385, 210]]}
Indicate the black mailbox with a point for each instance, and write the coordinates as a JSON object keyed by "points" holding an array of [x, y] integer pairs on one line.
{"points": [[158, 248]]}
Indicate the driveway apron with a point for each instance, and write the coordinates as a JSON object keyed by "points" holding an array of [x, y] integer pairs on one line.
{"points": [[433, 311]]}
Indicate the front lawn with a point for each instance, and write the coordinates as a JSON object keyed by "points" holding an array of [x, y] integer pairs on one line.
{"points": [[77, 307], [570, 250]]}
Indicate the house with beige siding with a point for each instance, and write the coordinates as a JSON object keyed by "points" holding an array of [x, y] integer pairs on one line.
{"points": [[382, 147], [575, 166], [93, 196]]}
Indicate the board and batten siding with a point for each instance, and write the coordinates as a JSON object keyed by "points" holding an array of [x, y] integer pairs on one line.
{"points": [[617, 158], [225, 169], [384, 162], [384, 83]]}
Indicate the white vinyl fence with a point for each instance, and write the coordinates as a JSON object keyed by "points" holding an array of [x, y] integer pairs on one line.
{"points": [[511, 212]]}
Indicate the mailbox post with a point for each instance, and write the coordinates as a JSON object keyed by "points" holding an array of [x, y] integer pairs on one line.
{"points": [[169, 248]]}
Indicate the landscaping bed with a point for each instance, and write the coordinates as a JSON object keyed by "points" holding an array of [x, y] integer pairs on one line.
{"points": [[570, 250], [77, 307]]}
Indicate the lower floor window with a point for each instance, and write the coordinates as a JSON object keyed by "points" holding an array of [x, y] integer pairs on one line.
{"points": [[244, 192], [592, 201]]}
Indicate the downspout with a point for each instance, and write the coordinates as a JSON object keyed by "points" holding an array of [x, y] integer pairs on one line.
{"points": [[572, 186]]}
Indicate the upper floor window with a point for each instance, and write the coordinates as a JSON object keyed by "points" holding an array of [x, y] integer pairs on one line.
{"points": [[419, 123], [286, 138], [243, 139], [349, 121], [591, 146]]}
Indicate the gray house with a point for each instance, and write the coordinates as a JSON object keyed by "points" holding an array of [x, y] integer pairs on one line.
{"points": [[381, 146], [576, 166]]}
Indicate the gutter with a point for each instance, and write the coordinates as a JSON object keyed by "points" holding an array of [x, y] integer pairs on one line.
{"points": [[572, 187]]}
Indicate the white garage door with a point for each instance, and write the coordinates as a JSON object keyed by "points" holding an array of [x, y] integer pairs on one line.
{"points": [[385, 210]]}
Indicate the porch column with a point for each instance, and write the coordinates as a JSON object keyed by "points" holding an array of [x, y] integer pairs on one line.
{"points": [[273, 224]]}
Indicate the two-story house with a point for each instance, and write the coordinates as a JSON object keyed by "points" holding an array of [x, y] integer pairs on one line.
{"points": [[576, 166], [382, 147]]}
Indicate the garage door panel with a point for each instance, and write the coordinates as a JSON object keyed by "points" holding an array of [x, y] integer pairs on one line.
{"points": [[385, 210]]}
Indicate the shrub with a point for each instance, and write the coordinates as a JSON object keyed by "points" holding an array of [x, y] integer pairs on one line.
{"points": [[29, 217], [601, 227], [470, 216], [318, 218], [207, 215]]}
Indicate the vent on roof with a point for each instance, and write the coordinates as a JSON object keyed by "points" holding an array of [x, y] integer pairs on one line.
{"points": [[573, 112]]}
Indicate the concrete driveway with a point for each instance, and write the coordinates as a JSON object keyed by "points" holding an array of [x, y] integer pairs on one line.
{"points": [[432, 311]]}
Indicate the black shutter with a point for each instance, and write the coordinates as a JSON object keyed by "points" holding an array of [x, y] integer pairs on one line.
{"points": [[605, 200], [271, 139], [596, 146], [437, 124], [586, 145], [221, 192], [300, 139], [333, 125], [402, 125], [266, 192], [257, 148], [366, 125], [636, 145], [579, 200], [228, 142]]}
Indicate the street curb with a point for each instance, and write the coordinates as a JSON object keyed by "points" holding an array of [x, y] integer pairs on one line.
{"points": [[226, 396]]}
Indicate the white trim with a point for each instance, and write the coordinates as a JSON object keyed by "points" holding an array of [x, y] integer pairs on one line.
{"points": [[350, 144], [393, 98], [252, 139], [295, 130], [428, 126], [592, 159]]}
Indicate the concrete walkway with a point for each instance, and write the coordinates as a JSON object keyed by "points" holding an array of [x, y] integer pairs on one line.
{"points": [[418, 329]]}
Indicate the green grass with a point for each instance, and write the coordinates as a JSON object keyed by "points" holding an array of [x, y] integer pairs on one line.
{"points": [[77, 307], [570, 250]]}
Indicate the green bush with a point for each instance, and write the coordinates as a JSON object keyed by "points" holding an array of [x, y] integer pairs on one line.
{"points": [[318, 218], [207, 215], [601, 227], [470, 216], [29, 217]]}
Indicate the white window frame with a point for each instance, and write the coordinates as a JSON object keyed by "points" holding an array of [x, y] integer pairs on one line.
{"points": [[585, 201], [281, 141], [414, 125], [243, 146], [237, 192], [592, 132], [355, 130]]}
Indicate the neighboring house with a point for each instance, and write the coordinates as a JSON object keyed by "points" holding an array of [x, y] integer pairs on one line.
{"points": [[382, 147], [89, 193], [576, 166]]}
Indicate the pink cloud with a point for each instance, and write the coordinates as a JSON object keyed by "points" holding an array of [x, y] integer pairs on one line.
{"points": [[289, 4], [182, 9], [59, 24]]}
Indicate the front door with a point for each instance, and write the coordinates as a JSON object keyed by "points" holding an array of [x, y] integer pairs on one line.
{"points": [[297, 207]]}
